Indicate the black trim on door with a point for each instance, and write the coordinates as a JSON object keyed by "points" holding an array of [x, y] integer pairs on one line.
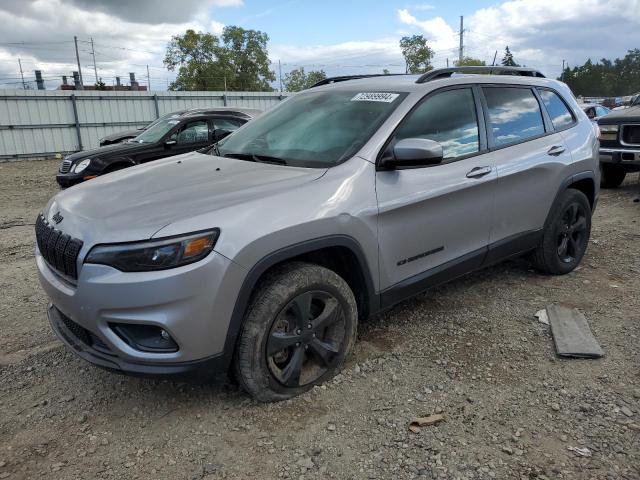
{"points": [[497, 252]]}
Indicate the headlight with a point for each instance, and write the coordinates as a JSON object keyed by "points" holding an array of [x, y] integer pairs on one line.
{"points": [[155, 254], [80, 166], [608, 128]]}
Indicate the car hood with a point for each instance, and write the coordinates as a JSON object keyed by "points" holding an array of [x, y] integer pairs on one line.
{"points": [[123, 134], [135, 203], [109, 151], [619, 116]]}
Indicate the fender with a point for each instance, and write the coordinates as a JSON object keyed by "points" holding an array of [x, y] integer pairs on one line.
{"points": [[108, 162], [281, 255], [576, 177]]}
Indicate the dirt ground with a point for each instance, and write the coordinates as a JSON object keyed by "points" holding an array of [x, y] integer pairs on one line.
{"points": [[470, 350]]}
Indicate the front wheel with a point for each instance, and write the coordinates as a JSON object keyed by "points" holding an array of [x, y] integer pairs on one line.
{"points": [[565, 235], [611, 176], [298, 330]]}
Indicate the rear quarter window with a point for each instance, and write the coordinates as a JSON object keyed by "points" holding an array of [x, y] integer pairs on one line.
{"points": [[561, 116]]}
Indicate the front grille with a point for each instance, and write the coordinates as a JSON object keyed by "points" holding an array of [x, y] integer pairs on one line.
{"points": [[57, 248], [631, 134], [84, 335], [65, 166]]}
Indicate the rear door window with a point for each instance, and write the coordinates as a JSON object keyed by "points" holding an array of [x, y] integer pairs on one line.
{"points": [[514, 114], [561, 116]]}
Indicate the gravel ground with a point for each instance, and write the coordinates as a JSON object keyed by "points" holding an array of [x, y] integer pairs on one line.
{"points": [[470, 350]]}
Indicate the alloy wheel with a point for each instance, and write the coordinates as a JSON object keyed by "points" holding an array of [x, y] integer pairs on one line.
{"points": [[572, 233], [306, 338]]}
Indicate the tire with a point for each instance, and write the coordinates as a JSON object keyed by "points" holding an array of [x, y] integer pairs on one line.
{"points": [[277, 336], [565, 235], [611, 176]]}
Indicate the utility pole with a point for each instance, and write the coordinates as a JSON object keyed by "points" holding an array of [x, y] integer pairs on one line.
{"points": [[148, 79], [461, 52], [95, 68], [494, 58], [447, 62], [75, 40], [24, 85], [280, 74], [562, 74]]}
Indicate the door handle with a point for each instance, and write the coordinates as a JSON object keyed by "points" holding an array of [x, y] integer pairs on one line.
{"points": [[478, 172], [555, 150]]}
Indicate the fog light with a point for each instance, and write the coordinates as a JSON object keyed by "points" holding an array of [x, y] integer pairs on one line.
{"points": [[146, 338]]}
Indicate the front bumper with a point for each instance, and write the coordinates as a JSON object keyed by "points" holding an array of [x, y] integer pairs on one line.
{"points": [[194, 303], [624, 157], [68, 180]]}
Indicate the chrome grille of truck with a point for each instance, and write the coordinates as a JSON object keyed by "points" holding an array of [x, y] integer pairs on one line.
{"points": [[630, 134]]}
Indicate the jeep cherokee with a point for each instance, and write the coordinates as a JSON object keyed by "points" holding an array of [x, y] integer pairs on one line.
{"points": [[263, 254]]}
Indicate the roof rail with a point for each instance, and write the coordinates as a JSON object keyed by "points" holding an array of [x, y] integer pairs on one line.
{"points": [[500, 70], [344, 78]]}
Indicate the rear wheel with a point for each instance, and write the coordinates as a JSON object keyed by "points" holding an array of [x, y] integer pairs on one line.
{"points": [[297, 332], [611, 176], [566, 234]]}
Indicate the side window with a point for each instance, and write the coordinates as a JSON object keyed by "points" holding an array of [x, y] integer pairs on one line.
{"points": [[601, 111], [194, 132], [558, 111], [226, 124], [514, 114], [448, 118]]}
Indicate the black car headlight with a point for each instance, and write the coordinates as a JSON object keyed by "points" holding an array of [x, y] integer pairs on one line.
{"points": [[158, 254]]}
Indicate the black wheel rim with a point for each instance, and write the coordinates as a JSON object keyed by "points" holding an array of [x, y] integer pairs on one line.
{"points": [[572, 233], [306, 339]]}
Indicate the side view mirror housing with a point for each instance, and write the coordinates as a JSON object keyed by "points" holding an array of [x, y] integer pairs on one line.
{"points": [[219, 134], [414, 153], [170, 143]]}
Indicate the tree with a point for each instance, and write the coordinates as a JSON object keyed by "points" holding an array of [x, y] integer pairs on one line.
{"points": [[508, 60], [605, 78], [417, 54], [469, 62], [100, 85], [297, 79], [385, 71], [238, 60]]}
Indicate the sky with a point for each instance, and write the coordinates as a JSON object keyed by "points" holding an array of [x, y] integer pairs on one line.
{"points": [[339, 37]]}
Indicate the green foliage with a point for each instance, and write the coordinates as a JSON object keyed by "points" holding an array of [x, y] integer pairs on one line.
{"points": [[417, 54], [297, 79], [100, 85], [238, 58], [469, 62], [508, 60], [385, 71], [606, 78]]}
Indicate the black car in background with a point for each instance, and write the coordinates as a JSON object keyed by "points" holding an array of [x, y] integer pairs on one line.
{"points": [[619, 144], [180, 132], [121, 136]]}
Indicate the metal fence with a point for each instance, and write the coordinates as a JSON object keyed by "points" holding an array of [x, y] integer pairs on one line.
{"points": [[41, 124]]}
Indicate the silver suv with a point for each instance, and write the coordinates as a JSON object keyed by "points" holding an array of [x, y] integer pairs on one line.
{"points": [[262, 254]]}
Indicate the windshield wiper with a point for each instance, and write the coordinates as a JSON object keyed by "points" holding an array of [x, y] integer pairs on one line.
{"points": [[252, 157]]}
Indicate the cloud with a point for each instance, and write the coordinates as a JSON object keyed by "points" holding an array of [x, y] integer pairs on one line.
{"points": [[542, 33], [154, 11], [122, 45]]}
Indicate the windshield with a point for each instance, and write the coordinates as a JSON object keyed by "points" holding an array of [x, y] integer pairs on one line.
{"points": [[636, 101], [315, 129], [156, 131]]}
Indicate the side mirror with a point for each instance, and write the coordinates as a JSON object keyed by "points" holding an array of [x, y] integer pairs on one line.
{"points": [[170, 143], [591, 114], [414, 153], [219, 134]]}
